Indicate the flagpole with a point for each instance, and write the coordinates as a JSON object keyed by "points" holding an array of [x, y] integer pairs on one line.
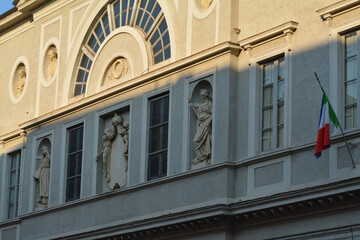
{"points": [[342, 132]]}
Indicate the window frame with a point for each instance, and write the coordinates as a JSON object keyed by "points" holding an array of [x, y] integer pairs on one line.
{"points": [[338, 28], [148, 129], [18, 179], [69, 128], [342, 35], [256, 55], [254, 105], [274, 126]]}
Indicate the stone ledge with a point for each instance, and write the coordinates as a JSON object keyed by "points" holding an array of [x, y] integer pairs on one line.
{"points": [[180, 65], [273, 33], [22, 12], [330, 11], [224, 222], [314, 200]]}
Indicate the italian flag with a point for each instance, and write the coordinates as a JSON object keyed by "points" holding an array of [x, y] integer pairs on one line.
{"points": [[327, 118]]}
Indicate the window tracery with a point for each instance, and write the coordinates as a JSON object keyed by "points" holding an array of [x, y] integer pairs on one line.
{"points": [[145, 15]]}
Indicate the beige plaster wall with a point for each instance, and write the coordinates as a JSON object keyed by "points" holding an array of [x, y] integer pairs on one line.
{"points": [[22, 45], [258, 16], [191, 31]]}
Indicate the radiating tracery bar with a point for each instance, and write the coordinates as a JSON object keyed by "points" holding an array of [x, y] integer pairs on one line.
{"points": [[123, 9], [83, 74]]}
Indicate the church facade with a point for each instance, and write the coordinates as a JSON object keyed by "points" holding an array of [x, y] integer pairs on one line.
{"points": [[178, 119]]}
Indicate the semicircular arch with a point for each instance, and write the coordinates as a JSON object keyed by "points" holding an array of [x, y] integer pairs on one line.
{"points": [[146, 16]]}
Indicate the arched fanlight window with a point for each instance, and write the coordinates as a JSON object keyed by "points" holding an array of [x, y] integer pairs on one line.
{"points": [[122, 12], [145, 15], [97, 36]]}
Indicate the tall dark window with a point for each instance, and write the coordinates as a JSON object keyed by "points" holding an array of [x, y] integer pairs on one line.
{"points": [[158, 136], [14, 180], [74, 162]]}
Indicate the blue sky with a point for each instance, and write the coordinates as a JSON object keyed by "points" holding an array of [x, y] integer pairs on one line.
{"points": [[5, 5]]}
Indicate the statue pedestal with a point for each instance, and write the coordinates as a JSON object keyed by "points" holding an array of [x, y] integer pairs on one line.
{"points": [[40, 206], [200, 165]]}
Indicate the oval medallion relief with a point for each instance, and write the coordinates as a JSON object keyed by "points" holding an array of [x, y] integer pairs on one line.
{"points": [[50, 63], [19, 80], [119, 69]]}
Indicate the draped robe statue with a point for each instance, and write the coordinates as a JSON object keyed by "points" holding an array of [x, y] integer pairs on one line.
{"points": [[115, 166], [42, 175], [202, 139], [107, 139]]}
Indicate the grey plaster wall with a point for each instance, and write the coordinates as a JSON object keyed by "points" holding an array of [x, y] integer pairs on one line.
{"points": [[305, 92], [242, 109], [175, 139], [8, 234], [269, 174], [343, 157], [224, 92], [135, 135], [146, 202], [305, 168], [56, 162], [240, 182]]}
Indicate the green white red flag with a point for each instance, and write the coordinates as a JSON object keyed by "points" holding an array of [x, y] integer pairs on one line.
{"points": [[327, 118]]}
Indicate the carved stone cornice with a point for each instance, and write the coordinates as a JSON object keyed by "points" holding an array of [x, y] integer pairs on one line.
{"points": [[327, 13], [231, 217], [19, 133], [21, 13], [170, 69], [309, 207], [282, 30]]}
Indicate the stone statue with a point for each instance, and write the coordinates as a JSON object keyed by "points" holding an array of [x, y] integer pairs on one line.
{"points": [[202, 139], [123, 130], [124, 133], [21, 82], [115, 166], [53, 64], [117, 120], [106, 151], [42, 175]]}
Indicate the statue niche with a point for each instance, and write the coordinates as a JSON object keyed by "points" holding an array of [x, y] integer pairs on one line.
{"points": [[202, 140], [114, 152], [42, 175]]}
